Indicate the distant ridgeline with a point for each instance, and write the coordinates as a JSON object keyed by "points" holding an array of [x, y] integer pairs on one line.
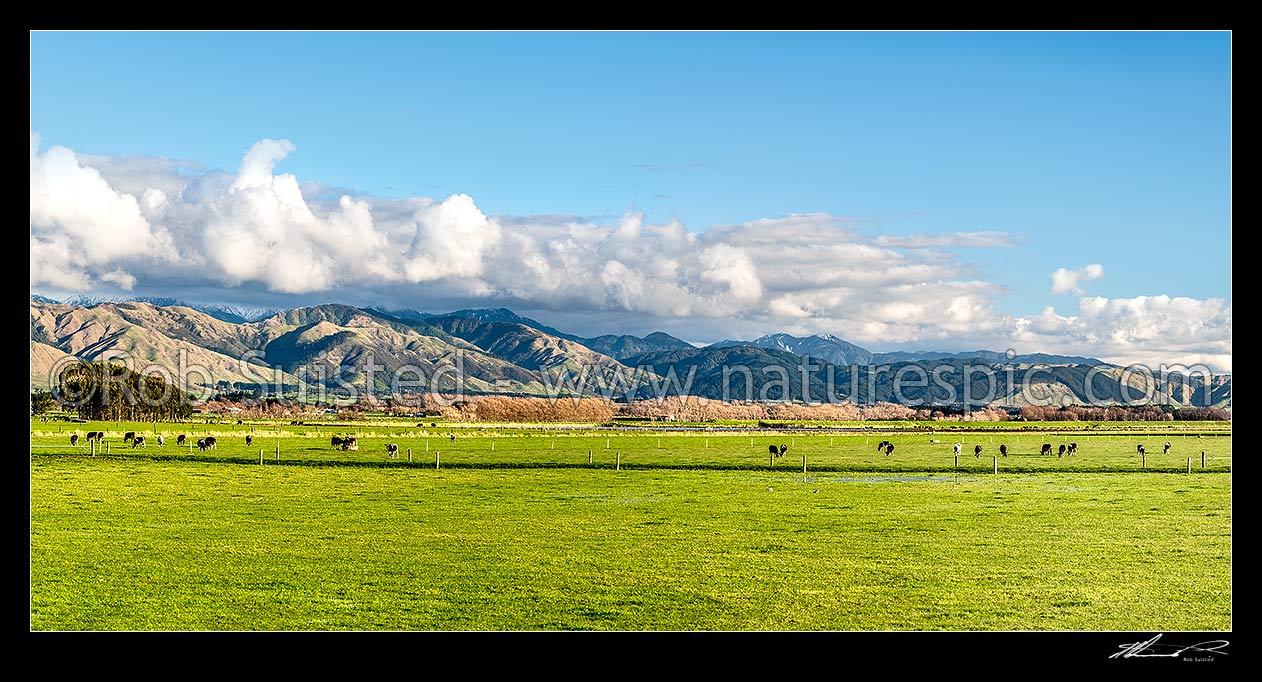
{"points": [[343, 351]]}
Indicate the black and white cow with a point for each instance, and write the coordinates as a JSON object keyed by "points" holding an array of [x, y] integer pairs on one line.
{"points": [[1047, 449], [74, 439], [392, 449], [977, 451], [179, 440], [1003, 450], [138, 442]]}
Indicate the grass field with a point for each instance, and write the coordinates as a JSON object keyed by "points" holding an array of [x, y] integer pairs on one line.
{"points": [[685, 537]]}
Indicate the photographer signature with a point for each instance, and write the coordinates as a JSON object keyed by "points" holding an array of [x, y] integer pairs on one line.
{"points": [[1152, 649]]}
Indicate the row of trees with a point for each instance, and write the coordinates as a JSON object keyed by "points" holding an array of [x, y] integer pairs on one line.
{"points": [[107, 392], [1121, 413]]}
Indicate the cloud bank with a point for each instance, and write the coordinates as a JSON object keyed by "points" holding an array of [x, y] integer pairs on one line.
{"points": [[101, 222]]}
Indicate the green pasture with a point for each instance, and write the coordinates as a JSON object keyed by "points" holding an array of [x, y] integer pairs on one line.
{"points": [[486, 447], [131, 543]]}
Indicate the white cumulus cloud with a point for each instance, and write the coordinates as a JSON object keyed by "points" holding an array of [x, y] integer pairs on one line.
{"points": [[1066, 281], [158, 226]]}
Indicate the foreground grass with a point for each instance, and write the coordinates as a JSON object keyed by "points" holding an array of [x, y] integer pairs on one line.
{"points": [[133, 544]]}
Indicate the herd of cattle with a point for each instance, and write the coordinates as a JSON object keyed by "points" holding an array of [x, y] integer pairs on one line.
{"points": [[349, 443]]}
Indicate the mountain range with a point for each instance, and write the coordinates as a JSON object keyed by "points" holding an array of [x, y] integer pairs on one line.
{"points": [[499, 351]]}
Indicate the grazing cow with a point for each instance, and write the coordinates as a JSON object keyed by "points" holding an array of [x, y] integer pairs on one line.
{"points": [[1047, 449], [74, 439], [350, 444], [1073, 449], [93, 435], [453, 437], [248, 440], [889, 449], [775, 452], [210, 441], [392, 449], [201, 444], [1060, 452], [138, 442], [783, 449], [977, 451], [337, 441], [1140, 449], [956, 447], [1165, 450], [130, 435], [1003, 450], [179, 440], [161, 441], [881, 446]]}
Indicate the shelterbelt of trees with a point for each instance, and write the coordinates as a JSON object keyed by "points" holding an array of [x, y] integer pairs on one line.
{"points": [[108, 392]]}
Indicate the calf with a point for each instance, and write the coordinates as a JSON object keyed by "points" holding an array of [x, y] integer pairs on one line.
{"points": [[392, 449], [179, 440], [74, 439], [138, 442], [1003, 450], [130, 435], [1047, 449]]}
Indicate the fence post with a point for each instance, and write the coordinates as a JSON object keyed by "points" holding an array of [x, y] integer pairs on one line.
{"points": [[1202, 459], [996, 463], [617, 461], [409, 455], [589, 456], [803, 462], [1189, 465], [260, 455], [437, 455]]}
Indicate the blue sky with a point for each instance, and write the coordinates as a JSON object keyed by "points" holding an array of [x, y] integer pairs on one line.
{"points": [[1110, 148]]}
